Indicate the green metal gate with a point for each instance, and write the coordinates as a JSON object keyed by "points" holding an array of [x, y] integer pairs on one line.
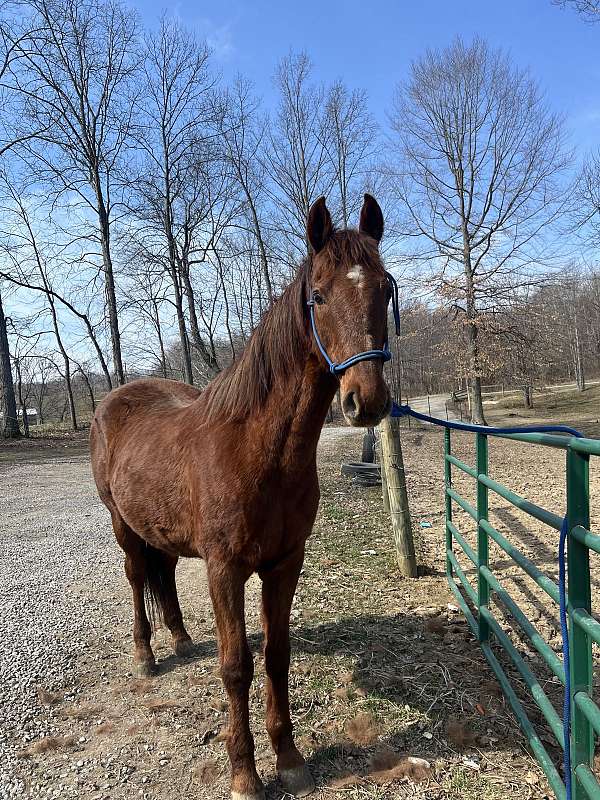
{"points": [[583, 628]]}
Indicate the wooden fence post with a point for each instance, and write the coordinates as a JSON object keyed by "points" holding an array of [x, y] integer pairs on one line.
{"points": [[393, 465], [384, 489]]}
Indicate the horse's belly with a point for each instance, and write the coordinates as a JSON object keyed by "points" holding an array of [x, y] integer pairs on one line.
{"points": [[156, 510]]}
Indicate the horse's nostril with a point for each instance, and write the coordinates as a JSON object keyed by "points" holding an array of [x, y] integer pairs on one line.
{"points": [[349, 405]]}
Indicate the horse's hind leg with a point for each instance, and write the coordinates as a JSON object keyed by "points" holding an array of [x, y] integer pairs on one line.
{"points": [[135, 569], [182, 642]]}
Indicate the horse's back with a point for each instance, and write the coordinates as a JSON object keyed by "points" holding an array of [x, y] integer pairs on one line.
{"points": [[147, 396]]}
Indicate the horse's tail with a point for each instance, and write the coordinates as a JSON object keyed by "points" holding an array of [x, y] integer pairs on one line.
{"points": [[155, 584]]}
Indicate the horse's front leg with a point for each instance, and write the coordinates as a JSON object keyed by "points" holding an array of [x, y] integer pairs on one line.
{"points": [[226, 583], [279, 585]]}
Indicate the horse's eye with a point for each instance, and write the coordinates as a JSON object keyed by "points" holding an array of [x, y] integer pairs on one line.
{"points": [[318, 298]]}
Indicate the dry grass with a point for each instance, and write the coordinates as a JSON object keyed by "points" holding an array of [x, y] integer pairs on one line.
{"points": [[105, 729], [83, 711], [207, 773], [158, 704], [48, 744], [460, 734], [417, 770], [560, 404]]}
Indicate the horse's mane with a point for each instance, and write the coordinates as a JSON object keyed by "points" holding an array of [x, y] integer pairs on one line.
{"points": [[280, 338]]}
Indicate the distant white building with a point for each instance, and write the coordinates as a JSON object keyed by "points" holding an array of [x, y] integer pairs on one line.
{"points": [[32, 415]]}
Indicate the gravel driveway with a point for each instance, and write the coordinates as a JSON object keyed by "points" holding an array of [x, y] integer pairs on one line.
{"points": [[74, 721], [55, 542]]}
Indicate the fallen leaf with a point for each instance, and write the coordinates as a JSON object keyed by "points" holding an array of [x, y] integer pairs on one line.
{"points": [[46, 697]]}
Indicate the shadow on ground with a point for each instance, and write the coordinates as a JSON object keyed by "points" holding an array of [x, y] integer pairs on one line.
{"points": [[417, 674]]}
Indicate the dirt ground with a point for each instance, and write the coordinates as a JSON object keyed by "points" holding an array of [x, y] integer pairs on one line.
{"points": [[383, 668]]}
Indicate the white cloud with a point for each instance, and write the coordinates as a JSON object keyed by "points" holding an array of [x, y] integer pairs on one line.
{"points": [[218, 37]]}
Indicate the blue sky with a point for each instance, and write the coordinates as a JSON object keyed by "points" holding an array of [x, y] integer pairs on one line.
{"points": [[370, 45]]}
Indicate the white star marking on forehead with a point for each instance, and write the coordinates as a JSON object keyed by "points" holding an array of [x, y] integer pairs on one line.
{"points": [[355, 275]]}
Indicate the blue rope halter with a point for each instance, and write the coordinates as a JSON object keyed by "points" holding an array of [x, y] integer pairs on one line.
{"points": [[368, 355]]}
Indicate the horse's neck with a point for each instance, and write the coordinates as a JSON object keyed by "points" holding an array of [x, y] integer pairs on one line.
{"points": [[291, 420]]}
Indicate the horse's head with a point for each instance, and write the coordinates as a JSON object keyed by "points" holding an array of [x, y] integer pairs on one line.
{"points": [[349, 291]]}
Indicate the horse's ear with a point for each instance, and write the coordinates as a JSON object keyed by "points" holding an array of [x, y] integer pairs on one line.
{"points": [[371, 218], [319, 226]]}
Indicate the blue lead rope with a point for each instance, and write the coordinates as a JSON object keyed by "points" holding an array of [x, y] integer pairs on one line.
{"points": [[407, 411]]}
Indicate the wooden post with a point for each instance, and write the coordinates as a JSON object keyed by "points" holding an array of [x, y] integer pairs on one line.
{"points": [[393, 465], [384, 490]]}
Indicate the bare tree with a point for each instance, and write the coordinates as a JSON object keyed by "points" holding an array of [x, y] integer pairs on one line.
{"points": [[147, 296], [75, 78], [8, 401], [588, 9], [171, 134], [12, 37], [586, 214], [350, 140], [480, 162], [24, 250], [297, 159], [242, 137]]}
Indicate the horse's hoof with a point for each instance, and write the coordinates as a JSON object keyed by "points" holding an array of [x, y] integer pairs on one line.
{"points": [[145, 669], [184, 648], [244, 796], [297, 781]]}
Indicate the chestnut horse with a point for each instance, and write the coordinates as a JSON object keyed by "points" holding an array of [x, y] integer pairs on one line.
{"points": [[229, 474]]}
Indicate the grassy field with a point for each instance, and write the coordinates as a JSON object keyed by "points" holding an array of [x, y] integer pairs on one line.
{"points": [[562, 404]]}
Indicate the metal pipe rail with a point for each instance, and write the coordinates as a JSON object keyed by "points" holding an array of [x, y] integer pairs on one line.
{"points": [[474, 599]]}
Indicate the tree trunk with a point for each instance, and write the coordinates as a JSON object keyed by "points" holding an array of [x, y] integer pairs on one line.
{"points": [[70, 398], [393, 463], [161, 344], [527, 396], [8, 402], [90, 390], [109, 282], [474, 392], [579, 370], [40, 407], [22, 400], [66, 360], [186, 359], [205, 354], [477, 416], [262, 250], [99, 353]]}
